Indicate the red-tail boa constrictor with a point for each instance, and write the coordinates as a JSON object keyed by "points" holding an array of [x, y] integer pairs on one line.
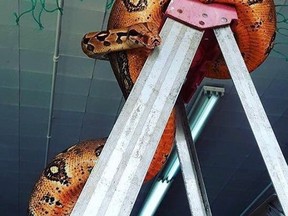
{"points": [[135, 24]]}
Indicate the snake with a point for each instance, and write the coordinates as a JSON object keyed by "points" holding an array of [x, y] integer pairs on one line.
{"points": [[132, 35]]}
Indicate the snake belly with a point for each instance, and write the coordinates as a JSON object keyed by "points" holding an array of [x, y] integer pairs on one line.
{"points": [[60, 184]]}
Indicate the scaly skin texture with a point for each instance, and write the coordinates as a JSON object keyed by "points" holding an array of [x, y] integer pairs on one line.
{"points": [[98, 44], [254, 32], [61, 182]]}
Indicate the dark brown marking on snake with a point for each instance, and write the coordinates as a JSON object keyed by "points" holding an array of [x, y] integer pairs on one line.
{"points": [[123, 77], [50, 200], [256, 25], [90, 47], [251, 2], [133, 32], [119, 35], [106, 43], [85, 40], [131, 7], [89, 169], [55, 171], [101, 36]]}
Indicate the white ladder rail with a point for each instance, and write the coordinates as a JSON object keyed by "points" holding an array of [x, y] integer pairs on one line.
{"points": [[190, 167], [258, 120]]}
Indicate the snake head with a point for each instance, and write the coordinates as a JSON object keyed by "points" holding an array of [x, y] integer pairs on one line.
{"points": [[87, 46], [92, 46]]}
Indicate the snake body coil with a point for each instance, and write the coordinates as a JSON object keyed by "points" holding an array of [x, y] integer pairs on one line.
{"points": [[134, 24]]}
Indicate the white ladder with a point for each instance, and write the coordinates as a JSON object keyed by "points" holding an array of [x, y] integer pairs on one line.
{"points": [[116, 179]]}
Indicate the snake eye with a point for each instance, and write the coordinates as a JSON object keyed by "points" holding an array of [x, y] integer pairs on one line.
{"points": [[90, 47]]}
